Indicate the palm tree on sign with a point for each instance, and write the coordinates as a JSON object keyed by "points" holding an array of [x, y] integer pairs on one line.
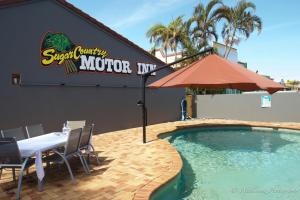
{"points": [[168, 37], [202, 24], [240, 22]]}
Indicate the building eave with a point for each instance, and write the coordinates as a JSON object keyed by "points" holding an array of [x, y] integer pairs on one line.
{"points": [[7, 3]]}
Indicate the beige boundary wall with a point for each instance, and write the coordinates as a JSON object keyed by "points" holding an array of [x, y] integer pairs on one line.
{"points": [[285, 107]]}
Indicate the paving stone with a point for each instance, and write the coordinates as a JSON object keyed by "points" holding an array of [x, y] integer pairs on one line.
{"points": [[129, 169]]}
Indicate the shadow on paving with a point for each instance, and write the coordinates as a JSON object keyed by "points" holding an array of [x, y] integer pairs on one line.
{"points": [[56, 175]]}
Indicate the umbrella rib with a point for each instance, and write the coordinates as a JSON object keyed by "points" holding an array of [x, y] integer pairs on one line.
{"points": [[183, 70], [251, 81]]}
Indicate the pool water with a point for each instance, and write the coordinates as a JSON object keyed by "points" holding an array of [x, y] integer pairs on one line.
{"points": [[235, 164]]}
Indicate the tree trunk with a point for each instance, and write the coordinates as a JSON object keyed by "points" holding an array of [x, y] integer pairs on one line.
{"points": [[226, 46], [176, 57], [227, 42], [204, 42], [231, 43], [166, 55]]}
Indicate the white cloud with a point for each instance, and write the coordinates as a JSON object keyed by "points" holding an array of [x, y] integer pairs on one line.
{"points": [[146, 11]]}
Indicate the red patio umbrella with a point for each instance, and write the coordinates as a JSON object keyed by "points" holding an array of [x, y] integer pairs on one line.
{"points": [[216, 72]]}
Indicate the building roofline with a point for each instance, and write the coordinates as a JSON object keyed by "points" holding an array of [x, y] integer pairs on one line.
{"points": [[71, 7], [168, 55], [224, 45]]}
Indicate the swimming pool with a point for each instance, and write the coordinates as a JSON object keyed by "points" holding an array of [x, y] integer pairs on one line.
{"points": [[233, 163]]}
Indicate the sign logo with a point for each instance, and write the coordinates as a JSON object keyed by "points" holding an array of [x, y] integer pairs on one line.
{"points": [[58, 49], [265, 101]]}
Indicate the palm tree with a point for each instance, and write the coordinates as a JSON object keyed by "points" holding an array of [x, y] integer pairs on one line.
{"points": [[293, 84], [177, 34], [240, 22], [170, 37], [159, 35], [202, 24]]}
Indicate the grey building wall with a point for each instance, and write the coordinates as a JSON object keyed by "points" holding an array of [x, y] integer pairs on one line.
{"points": [[110, 107], [285, 107]]}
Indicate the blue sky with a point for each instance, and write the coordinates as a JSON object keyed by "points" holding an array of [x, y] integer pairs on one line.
{"points": [[275, 52]]}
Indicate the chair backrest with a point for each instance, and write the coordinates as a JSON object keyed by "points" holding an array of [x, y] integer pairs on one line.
{"points": [[86, 135], [17, 133], [35, 130], [73, 141], [9, 151], [76, 124]]}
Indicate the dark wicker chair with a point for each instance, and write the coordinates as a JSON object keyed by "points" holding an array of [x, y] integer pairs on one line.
{"points": [[76, 124], [10, 157], [71, 149], [35, 130], [17, 133], [85, 144]]}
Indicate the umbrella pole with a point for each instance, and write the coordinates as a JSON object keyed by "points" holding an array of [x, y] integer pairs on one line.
{"points": [[144, 81]]}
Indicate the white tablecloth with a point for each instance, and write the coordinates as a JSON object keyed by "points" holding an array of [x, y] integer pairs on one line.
{"points": [[36, 145]]}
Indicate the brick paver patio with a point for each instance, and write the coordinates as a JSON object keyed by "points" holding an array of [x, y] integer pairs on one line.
{"points": [[129, 169]]}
